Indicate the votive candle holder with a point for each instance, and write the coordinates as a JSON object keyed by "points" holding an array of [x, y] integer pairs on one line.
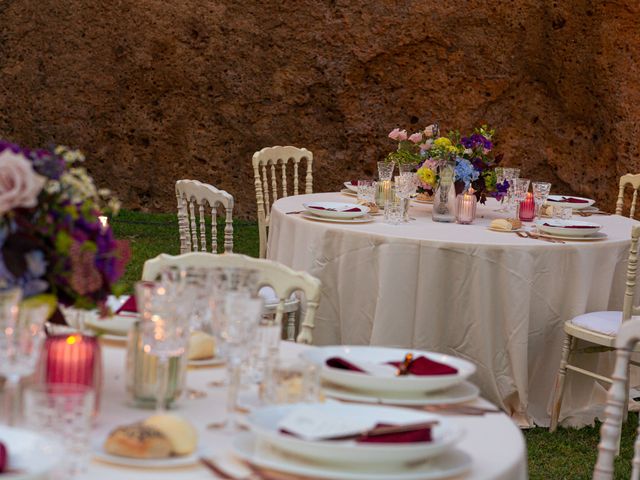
{"points": [[466, 204], [527, 208]]}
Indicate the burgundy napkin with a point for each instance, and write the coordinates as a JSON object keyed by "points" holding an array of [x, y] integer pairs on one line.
{"points": [[129, 306], [568, 200], [412, 436], [567, 226], [421, 366], [354, 209]]}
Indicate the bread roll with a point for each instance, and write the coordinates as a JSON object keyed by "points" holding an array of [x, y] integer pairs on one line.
{"points": [[180, 433], [501, 224], [138, 441], [201, 346]]}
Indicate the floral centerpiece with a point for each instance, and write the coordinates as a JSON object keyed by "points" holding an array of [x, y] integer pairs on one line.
{"points": [[52, 242], [472, 157]]}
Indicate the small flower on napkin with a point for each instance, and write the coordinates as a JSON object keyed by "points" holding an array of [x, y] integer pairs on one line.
{"points": [[130, 306]]}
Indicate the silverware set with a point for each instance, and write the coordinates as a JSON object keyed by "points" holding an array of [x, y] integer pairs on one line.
{"points": [[535, 236], [589, 213]]}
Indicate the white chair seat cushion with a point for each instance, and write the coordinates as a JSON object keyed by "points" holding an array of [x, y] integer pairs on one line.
{"points": [[269, 296], [601, 322]]}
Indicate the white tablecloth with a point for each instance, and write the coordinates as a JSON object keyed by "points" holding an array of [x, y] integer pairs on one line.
{"points": [[493, 298], [493, 441]]}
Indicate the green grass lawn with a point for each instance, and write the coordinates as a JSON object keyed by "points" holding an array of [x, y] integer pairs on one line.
{"points": [[566, 454]]}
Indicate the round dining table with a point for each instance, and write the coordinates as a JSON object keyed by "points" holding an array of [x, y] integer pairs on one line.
{"points": [[493, 298], [493, 442]]}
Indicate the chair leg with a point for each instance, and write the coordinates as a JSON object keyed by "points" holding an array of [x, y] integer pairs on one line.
{"points": [[291, 326], [567, 346]]}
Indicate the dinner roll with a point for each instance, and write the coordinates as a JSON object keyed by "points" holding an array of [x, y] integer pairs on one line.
{"points": [[201, 346], [138, 441], [181, 434]]}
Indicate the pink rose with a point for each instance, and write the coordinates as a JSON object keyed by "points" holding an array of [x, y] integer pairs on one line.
{"points": [[426, 145], [429, 131], [416, 137], [19, 183], [397, 134]]}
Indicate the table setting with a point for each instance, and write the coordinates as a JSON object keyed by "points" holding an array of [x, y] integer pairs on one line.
{"points": [[468, 229]]}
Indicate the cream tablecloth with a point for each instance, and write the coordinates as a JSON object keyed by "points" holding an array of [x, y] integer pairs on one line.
{"points": [[493, 441], [493, 298]]}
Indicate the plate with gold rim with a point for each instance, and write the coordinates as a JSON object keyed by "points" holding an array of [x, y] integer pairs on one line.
{"points": [[364, 219]]}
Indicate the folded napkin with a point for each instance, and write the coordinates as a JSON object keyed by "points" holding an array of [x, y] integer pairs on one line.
{"points": [[412, 436], [353, 209], [129, 306], [567, 226], [568, 200], [421, 366]]}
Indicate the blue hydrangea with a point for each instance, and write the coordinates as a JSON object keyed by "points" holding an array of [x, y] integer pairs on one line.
{"points": [[465, 172]]}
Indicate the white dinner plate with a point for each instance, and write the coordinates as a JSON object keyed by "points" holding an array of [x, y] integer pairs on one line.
{"points": [[379, 356], [351, 187], [346, 191], [265, 423], [260, 454], [460, 393], [588, 238], [557, 201], [207, 362], [118, 325], [31, 455], [170, 462], [363, 219], [556, 226], [336, 209]]}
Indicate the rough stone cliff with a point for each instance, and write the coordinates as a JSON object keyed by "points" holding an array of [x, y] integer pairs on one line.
{"points": [[156, 90]]}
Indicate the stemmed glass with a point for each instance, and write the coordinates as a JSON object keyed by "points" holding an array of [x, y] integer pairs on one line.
{"points": [[21, 335], [405, 186], [510, 175], [367, 191], [540, 193], [237, 314], [164, 327], [385, 171], [500, 179], [520, 189]]}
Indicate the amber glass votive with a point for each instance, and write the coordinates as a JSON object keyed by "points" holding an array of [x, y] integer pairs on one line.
{"points": [[527, 208], [466, 204]]}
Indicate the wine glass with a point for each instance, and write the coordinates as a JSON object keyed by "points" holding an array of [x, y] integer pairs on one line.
{"points": [[520, 189], [540, 193], [238, 314], [21, 335], [164, 328], [385, 171], [405, 186], [500, 178]]}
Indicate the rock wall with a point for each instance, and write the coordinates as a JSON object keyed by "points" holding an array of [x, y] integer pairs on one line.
{"points": [[158, 90]]}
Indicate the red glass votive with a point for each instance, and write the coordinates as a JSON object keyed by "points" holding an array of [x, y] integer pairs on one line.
{"points": [[527, 208], [72, 359]]}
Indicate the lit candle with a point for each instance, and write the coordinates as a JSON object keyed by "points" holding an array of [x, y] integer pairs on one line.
{"points": [[104, 221], [72, 359], [527, 208], [466, 208], [384, 192]]}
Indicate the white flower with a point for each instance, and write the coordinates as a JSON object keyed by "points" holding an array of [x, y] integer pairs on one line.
{"points": [[19, 183]]}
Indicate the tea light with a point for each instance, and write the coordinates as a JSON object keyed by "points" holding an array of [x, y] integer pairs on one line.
{"points": [[466, 208], [527, 208], [384, 192], [104, 221]]}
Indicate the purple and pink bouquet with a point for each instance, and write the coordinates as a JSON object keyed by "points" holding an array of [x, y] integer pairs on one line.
{"points": [[51, 239]]}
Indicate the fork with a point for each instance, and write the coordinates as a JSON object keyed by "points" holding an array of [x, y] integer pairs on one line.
{"points": [[538, 237]]}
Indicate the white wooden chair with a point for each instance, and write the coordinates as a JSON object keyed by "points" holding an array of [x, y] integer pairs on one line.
{"points": [[281, 278], [193, 196], [599, 329], [634, 182], [270, 158], [626, 340]]}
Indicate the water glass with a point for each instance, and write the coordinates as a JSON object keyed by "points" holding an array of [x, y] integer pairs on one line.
{"points": [[510, 175], [265, 346], [63, 412], [540, 193], [21, 335], [393, 212], [385, 171], [520, 189], [367, 190], [564, 213], [290, 382]]}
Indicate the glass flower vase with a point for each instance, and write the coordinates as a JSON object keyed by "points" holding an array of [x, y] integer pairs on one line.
{"points": [[444, 199]]}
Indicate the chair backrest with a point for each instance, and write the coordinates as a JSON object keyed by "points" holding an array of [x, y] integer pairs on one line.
{"points": [[281, 278], [629, 307], [265, 163], [634, 182], [192, 197], [627, 337]]}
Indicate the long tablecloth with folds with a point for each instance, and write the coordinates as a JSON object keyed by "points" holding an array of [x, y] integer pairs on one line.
{"points": [[493, 298], [493, 441]]}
